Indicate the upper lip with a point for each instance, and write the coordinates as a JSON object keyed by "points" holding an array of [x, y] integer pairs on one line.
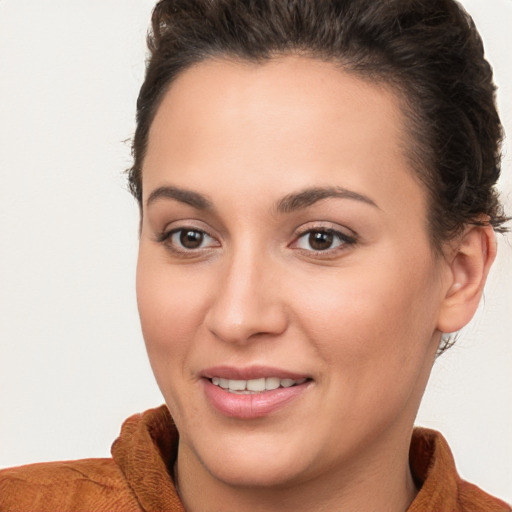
{"points": [[250, 372]]}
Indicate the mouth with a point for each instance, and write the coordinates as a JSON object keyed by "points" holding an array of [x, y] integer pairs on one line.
{"points": [[253, 392], [253, 386]]}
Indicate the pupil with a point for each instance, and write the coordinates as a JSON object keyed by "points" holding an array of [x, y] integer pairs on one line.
{"points": [[191, 239], [320, 240]]}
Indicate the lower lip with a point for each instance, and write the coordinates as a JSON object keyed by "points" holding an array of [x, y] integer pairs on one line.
{"points": [[251, 406]]}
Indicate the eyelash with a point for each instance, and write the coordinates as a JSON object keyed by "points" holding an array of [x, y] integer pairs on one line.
{"points": [[165, 238], [344, 241]]}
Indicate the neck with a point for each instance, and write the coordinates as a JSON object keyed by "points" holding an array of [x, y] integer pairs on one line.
{"points": [[380, 481]]}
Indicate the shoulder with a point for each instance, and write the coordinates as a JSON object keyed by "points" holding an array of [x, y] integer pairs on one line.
{"points": [[441, 487], [89, 484], [471, 497]]}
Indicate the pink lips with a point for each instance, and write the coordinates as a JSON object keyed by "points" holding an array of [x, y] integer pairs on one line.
{"points": [[250, 406]]}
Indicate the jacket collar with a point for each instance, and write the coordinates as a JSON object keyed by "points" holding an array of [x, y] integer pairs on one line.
{"points": [[145, 452], [147, 448]]}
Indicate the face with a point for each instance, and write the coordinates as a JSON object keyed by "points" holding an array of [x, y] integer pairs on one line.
{"points": [[287, 287]]}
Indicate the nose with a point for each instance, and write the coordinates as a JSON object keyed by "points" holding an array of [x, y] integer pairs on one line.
{"points": [[247, 303]]}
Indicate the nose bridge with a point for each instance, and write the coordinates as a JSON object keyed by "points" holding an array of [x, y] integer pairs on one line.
{"points": [[247, 301]]}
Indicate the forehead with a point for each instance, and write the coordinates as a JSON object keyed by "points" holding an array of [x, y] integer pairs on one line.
{"points": [[279, 96], [290, 122]]}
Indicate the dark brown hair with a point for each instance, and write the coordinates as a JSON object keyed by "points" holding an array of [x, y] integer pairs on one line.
{"points": [[429, 51]]}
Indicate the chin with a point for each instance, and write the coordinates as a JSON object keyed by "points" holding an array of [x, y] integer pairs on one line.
{"points": [[263, 474], [255, 463]]}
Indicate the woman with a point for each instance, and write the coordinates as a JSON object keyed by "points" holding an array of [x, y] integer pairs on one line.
{"points": [[316, 188]]}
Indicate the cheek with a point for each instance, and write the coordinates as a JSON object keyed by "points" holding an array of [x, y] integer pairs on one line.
{"points": [[171, 306], [370, 317], [374, 333]]}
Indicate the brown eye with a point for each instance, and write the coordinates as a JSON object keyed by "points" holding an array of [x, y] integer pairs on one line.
{"points": [[188, 241], [323, 240], [320, 240], [191, 239]]}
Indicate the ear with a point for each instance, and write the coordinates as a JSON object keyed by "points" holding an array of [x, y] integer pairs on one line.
{"points": [[469, 261]]}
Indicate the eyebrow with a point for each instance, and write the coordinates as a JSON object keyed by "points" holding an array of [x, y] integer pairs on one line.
{"points": [[288, 204], [310, 196], [189, 197]]}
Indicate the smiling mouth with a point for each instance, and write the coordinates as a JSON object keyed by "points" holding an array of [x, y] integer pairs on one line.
{"points": [[254, 386]]}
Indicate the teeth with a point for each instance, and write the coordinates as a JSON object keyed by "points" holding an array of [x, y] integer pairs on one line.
{"points": [[237, 385], [255, 385], [272, 383]]}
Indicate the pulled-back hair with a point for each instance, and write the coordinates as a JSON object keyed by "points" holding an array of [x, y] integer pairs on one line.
{"points": [[428, 51]]}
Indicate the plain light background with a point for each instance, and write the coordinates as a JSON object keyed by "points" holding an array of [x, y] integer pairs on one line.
{"points": [[72, 360]]}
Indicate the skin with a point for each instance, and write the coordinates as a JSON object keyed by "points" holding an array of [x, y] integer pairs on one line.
{"points": [[362, 319]]}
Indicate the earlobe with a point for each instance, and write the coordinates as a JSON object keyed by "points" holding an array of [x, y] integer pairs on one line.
{"points": [[469, 264]]}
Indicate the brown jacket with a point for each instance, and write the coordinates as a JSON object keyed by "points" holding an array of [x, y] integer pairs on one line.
{"points": [[137, 478]]}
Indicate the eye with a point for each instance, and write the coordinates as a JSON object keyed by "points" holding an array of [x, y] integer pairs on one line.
{"points": [[323, 240], [188, 239]]}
